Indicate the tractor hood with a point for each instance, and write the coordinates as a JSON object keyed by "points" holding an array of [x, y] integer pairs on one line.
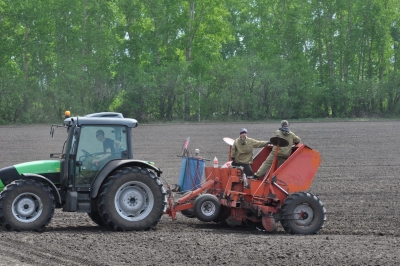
{"points": [[11, 173], [38, 167]]}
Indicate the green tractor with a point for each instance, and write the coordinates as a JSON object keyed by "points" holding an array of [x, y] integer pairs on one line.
{"points": [[95, 173]]}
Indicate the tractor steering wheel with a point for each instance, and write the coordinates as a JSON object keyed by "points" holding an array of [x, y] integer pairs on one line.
{"points": [[86, 153]]}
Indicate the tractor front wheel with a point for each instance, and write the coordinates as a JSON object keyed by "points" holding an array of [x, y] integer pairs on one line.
{"points": [[207, 208], [132, 199], [26, 205], [302, 213]]}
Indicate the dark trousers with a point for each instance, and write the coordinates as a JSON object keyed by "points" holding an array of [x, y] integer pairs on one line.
{"points": [[246, 168]]}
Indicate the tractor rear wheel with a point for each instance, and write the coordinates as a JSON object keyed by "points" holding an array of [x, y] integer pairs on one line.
{"points": [[26, 205], [207, 208], [132, 198], [96, 218], [302, 213]]}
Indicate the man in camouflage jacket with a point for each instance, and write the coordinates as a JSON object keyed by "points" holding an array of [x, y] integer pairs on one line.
{"points": [[242, 151], [283, 153]]}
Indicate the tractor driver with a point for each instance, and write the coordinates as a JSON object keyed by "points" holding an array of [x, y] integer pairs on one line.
{"points": [[108, 148], [283, 153]]}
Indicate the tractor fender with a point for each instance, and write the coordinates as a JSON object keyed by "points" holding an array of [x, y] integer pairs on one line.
{"points": [[44, 180], [115, 164]]}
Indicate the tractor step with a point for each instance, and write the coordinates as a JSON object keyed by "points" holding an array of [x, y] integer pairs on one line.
{"points": [[84, 207], [84, 202], [77, 202]]}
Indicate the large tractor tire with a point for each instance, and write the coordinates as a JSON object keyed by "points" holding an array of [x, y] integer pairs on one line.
{"points": [[302, 213], [132, 199], [207, 208], [96, 218], [26, 205]]}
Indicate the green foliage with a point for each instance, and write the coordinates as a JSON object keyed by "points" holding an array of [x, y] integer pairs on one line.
{"points": [[165, 60]]}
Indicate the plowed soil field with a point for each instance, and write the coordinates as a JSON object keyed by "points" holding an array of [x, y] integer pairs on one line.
{"points": [[358, 182]]}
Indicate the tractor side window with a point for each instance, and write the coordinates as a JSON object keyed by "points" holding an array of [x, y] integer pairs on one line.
{"points": [[97, 146]]}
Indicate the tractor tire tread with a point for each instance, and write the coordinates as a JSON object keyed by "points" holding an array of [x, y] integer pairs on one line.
{"points": [[197, 207], [112, 220], [8, 222], [299, 198]]}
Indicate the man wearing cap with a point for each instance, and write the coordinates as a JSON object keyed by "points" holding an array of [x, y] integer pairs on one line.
{"points": [[242, 151], [283, 153]]}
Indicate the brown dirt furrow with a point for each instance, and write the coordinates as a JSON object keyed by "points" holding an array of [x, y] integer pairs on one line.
{"points": [[358, 182]]}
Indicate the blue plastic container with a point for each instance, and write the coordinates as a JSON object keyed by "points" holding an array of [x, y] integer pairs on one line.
{"points": [[191, 174]]}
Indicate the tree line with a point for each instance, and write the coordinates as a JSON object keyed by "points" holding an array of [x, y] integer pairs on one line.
{"points": [[204, 60]]}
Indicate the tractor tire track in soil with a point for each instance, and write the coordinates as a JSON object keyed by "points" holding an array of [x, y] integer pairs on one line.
{"points": [[358, 182], [16, 251]]}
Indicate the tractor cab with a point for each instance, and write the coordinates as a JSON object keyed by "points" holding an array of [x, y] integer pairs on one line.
{"points": [[93, 141], [95, 146]]}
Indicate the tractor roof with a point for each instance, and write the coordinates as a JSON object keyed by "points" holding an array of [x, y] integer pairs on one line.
{"points": [[105, 114], [104, 118]]}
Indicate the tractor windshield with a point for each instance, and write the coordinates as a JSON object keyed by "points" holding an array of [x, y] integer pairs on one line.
{"points": [[99, 144]]}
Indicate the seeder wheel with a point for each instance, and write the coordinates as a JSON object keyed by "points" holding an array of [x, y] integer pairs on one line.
{"points": [[207, 208], [189, 213], [302, 213], [223, 215]]}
